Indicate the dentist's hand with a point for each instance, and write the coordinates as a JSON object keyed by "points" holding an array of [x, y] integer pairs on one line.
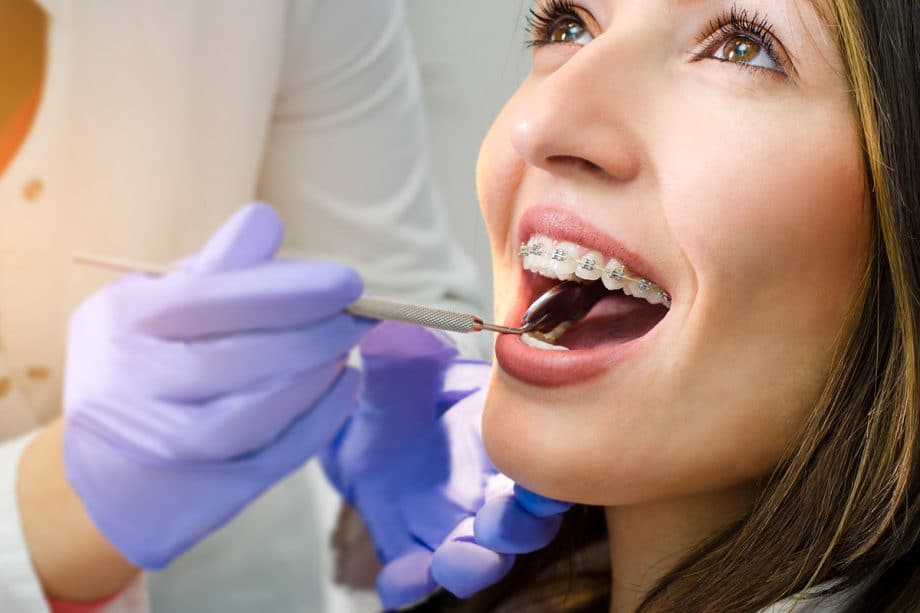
{"points": [[411, 461], [187, 396]]}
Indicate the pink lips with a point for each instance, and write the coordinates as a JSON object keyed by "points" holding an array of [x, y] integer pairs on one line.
{"points": [[560, 368], [557, 368]]}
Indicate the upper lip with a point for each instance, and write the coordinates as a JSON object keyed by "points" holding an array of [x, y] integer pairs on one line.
{"points": [[563, 225]]}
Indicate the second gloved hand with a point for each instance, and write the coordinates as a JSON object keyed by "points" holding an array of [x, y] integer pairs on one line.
{"points": [[410, 460], [187, 396]]}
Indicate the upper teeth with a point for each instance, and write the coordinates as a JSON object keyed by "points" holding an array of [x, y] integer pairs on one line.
{"points": [[565, 261]]}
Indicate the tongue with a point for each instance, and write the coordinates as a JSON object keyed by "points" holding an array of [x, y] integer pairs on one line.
{"points": [[616, 319]]}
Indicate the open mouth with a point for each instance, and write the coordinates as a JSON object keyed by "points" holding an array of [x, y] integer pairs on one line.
{"points": [[613, 306], [618, 309]]}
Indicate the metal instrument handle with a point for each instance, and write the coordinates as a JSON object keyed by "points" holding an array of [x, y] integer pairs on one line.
{"points": [[378, 308], [373, 308]]}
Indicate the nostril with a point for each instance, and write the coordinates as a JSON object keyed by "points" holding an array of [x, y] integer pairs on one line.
{"points": [[577, 164]]}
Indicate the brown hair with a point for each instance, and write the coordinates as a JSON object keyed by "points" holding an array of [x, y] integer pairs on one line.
{"points": [[843, 504]]}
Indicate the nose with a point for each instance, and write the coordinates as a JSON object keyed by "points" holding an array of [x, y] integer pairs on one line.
{"points": [[575, 122]]}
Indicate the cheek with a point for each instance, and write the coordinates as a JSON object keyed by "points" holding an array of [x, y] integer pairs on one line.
{"points": [[771, 220], [499, 170], [774, 207], [498, 174]]}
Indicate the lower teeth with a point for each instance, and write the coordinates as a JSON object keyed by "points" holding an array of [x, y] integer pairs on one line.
{"points": [[531, 340]]}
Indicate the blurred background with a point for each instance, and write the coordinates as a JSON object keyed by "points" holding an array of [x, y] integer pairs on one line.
{"points": [[472, 57]]}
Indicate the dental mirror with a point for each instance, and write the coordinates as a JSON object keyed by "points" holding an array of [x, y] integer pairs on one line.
{"points": [[567, 301]]}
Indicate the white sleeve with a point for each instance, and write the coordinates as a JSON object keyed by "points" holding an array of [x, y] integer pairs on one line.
{"points": [[133, 599], [20, 589], [345, 160]]}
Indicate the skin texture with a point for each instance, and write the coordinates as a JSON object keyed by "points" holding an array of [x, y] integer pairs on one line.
{"points": [[63, 541], [745, 188]]}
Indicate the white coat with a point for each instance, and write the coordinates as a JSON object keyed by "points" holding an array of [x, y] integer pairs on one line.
{"points": [[158, 120]]}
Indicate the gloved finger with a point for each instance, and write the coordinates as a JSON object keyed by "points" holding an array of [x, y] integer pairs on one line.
{"points": [[191, 372], [275, 295], [538, 505], [463, 378], [446, 460], [404, 368], [463, 567], [315, 428], [504, 526], [332, 466], [251, 236], [406, 580], [215, 491], [227, 426], [433, 512], [454, 477]]}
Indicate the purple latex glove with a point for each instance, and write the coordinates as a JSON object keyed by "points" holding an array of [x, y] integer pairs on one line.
{"points": [[187, 396], [411, 461], [480, 550]]}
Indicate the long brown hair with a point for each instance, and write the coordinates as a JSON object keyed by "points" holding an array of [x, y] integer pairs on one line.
{"points": [[843, 504]]}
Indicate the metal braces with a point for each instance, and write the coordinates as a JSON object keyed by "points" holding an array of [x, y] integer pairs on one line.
{"points": [[586, 262]]}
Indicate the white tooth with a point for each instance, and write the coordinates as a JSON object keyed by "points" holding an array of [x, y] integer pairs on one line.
{"points": [[523, 257], [590, 266], [540, 260], [531, 341], [640, 289], [654, 298], [528, 262], [563, 260], [553, 335], [611, 282]]}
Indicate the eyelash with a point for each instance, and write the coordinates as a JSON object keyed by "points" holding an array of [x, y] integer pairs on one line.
{"points": [[737, 23], [548, 14], [545, 16]]}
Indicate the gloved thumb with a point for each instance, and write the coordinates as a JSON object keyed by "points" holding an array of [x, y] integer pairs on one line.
{"points": [[251, 236], [404, 369]]}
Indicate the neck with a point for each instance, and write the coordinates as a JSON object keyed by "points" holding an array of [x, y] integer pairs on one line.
{"points": [[648, 539]]}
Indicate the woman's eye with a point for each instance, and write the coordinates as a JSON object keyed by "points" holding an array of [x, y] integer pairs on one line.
{"points": [[569, 31], [552, 22], [743, 50]]}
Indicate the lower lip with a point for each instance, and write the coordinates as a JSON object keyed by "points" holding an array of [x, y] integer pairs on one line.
{"points": [[547, 368]]}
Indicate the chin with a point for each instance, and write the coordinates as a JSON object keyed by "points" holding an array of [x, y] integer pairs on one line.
{"points": [[574, 452], [540, 447]]}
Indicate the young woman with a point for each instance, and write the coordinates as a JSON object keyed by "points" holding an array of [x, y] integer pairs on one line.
{"points": [[746, 424]]}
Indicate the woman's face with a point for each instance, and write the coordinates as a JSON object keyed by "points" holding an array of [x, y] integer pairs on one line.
{"points": [[711, 148]]}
